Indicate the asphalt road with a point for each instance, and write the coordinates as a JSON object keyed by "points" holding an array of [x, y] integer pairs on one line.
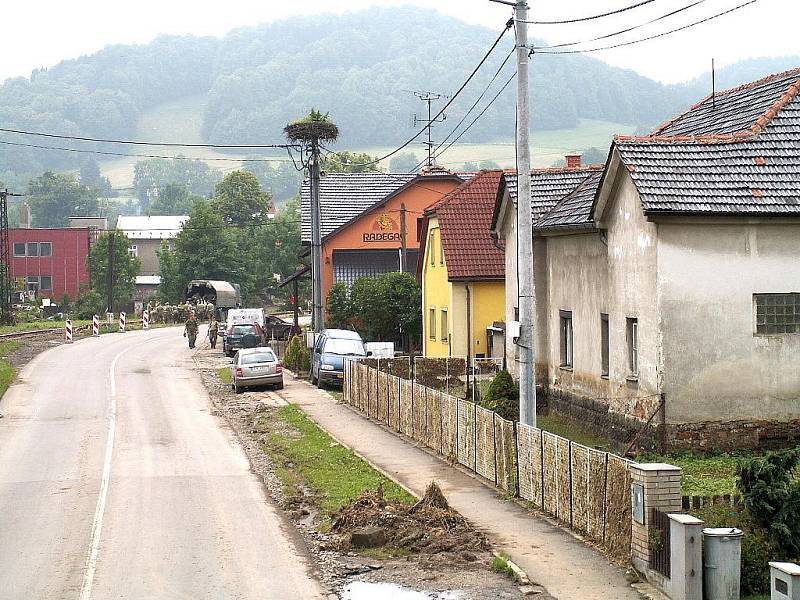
{"points": [[116, 481]]}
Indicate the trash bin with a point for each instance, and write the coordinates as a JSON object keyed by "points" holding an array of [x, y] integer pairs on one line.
{"points": [[722, 556]]}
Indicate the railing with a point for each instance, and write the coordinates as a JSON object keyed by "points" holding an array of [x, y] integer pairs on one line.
{"points": [[583, 488], [659, 542], [697, 502]]}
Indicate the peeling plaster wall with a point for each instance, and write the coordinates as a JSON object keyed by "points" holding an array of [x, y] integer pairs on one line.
{"points": [[588, 277], [716, 367]]}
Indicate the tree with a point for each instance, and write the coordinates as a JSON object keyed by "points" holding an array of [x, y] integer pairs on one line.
{"points": [[349, 162], [150, 175], [281, 180], [339, 307], [170, 290], [405, 162], [53, 197], [502, 396], [172, 199], [387, 307], [90, 172], [240, 199], [126, 267]]}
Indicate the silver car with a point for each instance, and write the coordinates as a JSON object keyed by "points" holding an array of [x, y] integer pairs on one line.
{"points": [[252, 367]]}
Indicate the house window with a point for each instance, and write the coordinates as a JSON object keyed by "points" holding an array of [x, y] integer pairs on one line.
{"points": [[32, 282], [432, 323], [441, 251], [604, 345], [19, 248], [777, 313], [33, 249], [632, 335], [133, 250], [443, 322], [565, 318], [46, 282], [432, 249], [45, 249]]}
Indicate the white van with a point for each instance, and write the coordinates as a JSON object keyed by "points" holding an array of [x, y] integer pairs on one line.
{"points": [[244, 316]]}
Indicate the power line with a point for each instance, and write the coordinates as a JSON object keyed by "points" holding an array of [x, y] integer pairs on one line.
{"points": [[471, 108], [592, 17], [650, 37], [626, 30], [480, 114], [449, 102], [170, 157], [137, 143]]}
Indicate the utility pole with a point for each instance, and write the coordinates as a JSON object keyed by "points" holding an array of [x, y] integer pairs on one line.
{"points": [[6, 316], [428, 97], [527, 292], [316, 240], [110, 275], [403, 244]]}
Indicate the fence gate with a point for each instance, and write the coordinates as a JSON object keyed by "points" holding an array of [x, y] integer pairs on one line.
{"points": [[659, 542]]}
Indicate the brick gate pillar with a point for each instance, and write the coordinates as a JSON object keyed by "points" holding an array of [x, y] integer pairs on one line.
{"points": [[653, 485]]}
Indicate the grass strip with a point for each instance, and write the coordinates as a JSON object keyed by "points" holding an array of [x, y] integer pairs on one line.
{"points": [[334, 473], [7, 372], [224, 374]]}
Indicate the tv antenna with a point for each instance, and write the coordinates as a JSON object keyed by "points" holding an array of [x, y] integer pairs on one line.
{"points": [[429, 98]]}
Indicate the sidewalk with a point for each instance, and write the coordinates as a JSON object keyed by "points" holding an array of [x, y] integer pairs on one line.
{"points": [[552, 558]]}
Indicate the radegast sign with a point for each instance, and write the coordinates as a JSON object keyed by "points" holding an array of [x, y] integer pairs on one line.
{"points": [[384, 229]]}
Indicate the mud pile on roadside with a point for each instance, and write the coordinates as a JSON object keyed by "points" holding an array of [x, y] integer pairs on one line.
{"points": [[429, 527]]}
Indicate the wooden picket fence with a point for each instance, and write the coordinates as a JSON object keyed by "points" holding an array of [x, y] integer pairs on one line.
{"points": [[585, 489]]}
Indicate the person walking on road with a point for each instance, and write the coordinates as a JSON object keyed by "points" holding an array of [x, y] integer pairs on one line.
{"points": [[213, 329], [190, 329]]}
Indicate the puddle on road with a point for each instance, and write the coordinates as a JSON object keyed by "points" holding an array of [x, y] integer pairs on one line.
{"points": [[363, 590]]}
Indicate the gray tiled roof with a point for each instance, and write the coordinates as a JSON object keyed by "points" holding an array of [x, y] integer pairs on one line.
{"points": [[733, 110], [344, 196], [548, 186], [573, 211], [759, 174], [754, 173]]}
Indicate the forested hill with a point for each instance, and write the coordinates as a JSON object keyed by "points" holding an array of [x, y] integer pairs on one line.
{"points": [[359, 67]]}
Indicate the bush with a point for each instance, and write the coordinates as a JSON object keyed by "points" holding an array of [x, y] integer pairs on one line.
{"points": [[758, 548], [771, 494], [297, 357], [503, 397], [88, 304]]}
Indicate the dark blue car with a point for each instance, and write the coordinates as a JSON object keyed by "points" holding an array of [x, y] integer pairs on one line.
{"points": [[331, 349]]}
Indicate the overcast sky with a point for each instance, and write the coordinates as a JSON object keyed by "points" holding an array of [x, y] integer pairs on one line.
{"points": [[41, 33]]}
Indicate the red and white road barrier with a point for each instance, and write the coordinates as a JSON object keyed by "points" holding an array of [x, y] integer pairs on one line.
{"points": [[122, 322], [95, 325], [68, 331], [146, 319]]}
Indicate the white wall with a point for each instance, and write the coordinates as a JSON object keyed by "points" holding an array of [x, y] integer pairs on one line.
{"points": [[716, 367]]}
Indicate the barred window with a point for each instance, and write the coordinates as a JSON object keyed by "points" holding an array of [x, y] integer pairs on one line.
{"points": [[777, 313]]}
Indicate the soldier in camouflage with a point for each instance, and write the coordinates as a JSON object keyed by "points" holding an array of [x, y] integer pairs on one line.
{"points": [[190, 329]]}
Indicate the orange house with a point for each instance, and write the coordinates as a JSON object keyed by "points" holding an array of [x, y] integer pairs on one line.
{"points": [[361, 216]]}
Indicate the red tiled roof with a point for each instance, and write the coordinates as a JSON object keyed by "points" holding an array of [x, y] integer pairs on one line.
{"points": [[465, 219]]}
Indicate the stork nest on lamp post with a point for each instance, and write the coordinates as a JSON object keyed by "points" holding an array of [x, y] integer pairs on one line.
{"points": [[315, 126]]}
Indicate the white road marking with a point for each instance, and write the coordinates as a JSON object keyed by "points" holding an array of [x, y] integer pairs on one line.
{"points": [[97, 524]]}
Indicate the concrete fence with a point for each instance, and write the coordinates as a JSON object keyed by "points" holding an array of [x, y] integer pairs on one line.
{"points": [[585, 489]]}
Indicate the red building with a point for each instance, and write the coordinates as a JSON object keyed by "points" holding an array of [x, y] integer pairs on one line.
{"points": [[50, 261]]}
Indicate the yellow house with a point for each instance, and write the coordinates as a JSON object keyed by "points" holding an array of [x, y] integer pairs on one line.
{"points": [[462, 273]]}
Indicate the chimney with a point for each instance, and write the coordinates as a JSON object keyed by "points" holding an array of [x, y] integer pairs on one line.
{"points": [[24, 216], [573, 161]]}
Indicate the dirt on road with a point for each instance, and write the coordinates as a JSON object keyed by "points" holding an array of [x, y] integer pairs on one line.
{"points": [[429, 547]]}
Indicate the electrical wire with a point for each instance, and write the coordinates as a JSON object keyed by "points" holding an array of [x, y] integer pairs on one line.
{"points": [[136, 143], [109, 153], [471, 108], [449, 102], [480, 114], [592, 17], [650, 37], [626, 30]]}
